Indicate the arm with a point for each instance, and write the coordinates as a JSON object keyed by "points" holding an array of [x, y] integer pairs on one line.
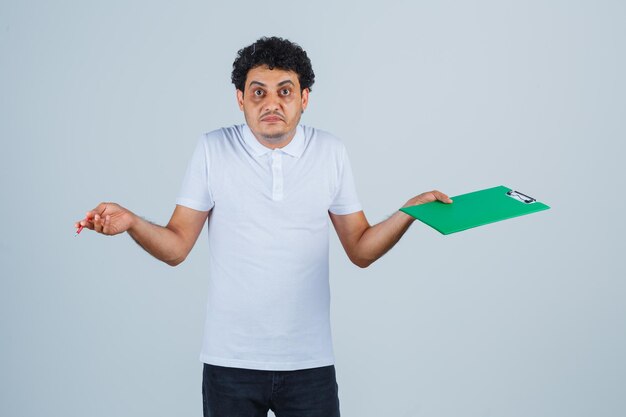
{"points": [[363, 243], [170, 244]]}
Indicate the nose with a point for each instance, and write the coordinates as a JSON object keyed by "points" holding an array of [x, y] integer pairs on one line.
{"points": [[272, 103]]}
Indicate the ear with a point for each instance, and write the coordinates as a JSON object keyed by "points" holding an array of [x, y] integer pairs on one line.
{"points": [[240, 99], [305, 98]]}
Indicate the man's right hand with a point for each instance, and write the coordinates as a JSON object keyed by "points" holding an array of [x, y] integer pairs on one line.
{"points": [[170, 244], [108, 219]]}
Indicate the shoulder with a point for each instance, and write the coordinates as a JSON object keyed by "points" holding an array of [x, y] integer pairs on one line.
{"points": [[222, 138], [223, 133], [323, 140]]}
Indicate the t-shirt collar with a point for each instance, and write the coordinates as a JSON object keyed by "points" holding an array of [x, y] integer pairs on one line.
{"points": [[293, 148]]}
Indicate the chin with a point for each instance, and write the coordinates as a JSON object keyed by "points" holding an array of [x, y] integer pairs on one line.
{"points": [[274, 133]]}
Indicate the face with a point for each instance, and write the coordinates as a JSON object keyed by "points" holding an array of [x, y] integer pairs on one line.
{"points": [[272, 104]]}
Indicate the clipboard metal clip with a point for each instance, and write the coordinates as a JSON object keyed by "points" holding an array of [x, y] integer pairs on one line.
{"points": [[521, 197]]}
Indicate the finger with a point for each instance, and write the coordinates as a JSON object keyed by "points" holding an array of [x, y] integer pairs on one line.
{"points": [[107, 225], [90, 215], [441, 196], [97, 223], [88, 223], [99, 209]]}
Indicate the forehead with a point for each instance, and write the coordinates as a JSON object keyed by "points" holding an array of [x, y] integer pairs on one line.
{"points": [[271, 77]]}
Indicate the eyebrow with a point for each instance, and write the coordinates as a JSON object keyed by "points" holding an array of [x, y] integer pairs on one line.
{"points": [[280, 84]]}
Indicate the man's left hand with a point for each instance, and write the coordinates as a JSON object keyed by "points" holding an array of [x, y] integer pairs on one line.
{"points": [[428, 197]]}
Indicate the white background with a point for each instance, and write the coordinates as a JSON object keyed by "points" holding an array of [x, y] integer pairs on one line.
{"points": [[104, 101]]}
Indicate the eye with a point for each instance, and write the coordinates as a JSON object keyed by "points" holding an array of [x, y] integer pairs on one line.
{"points": [[258, 93], [285, 91]]}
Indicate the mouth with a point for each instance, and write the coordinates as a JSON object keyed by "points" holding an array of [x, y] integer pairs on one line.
{"points": [[271, 119]]}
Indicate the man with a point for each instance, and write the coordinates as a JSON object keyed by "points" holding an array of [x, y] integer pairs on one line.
{"points": [[267, 188]]}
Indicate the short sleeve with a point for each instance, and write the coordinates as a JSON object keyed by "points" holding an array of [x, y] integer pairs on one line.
{"points": [[345, 200], [195, 191]]}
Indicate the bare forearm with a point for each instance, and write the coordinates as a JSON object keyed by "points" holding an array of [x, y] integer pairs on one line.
{"points": [[364, 244], [378, 239], [160, 242]]}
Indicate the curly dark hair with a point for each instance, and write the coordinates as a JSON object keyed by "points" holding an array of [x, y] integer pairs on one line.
{"points": [[275, 53]]}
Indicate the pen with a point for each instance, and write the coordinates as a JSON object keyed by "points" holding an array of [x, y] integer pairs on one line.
{"points": [[80, 228]]}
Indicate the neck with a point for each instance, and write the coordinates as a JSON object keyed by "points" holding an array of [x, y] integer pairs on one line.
{"points": [[278, 141]]}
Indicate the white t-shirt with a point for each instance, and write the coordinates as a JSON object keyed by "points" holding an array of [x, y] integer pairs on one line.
{"points": [[269, 296]]}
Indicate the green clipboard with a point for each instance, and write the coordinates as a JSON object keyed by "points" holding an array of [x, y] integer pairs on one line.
{"points": [[475, 209]]}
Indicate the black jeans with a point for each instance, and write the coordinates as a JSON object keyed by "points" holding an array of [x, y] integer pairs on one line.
{"points": [[235, 392]]}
